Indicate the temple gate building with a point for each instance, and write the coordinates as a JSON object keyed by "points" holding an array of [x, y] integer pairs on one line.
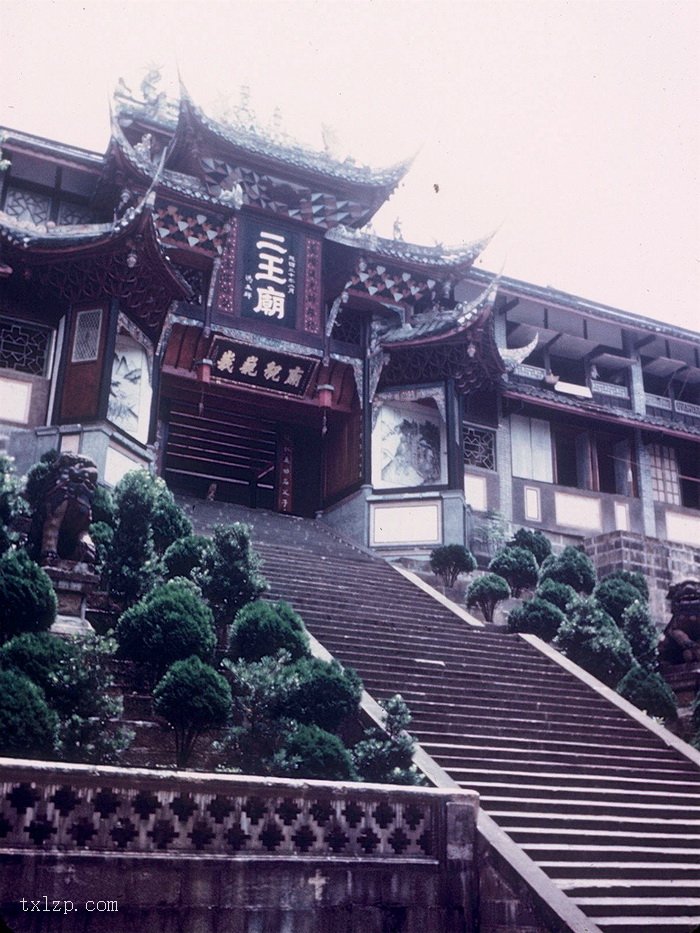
{"points": [[208, 299]]}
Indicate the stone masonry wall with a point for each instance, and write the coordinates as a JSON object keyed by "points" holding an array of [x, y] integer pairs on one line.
{"points": [[118, 851], [661, 562]]}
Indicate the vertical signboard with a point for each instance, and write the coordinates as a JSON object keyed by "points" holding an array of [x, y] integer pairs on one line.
{"points": [[270, 269], [284, 474]]}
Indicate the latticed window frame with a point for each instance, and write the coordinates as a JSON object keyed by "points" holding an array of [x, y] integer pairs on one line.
{"points": [[25, 347], [480, 443], [26, 205], [91, 351], [665, 475]]}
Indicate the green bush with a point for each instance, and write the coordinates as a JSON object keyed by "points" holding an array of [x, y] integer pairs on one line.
{"points": [[572, 567], [193, 699], [102, 535], [230, 574], [262, 628], [615, 595], [74, 678], [638, 627], [558, 594], [486, 592], [517, 566], [27, 725], [103, 507], [385, 756], [12, 503], [185, 555], [533, 541], [449, 561], [649, 692], [591, 639], [537, 616], [259, 690], [27, 598], [169, 624], [169, 522], [632, 577], [308, 751], [321, 693], [131, 565]]}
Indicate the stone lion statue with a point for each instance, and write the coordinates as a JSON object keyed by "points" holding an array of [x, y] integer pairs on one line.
{"points": [[66, 509], [680, 642]]}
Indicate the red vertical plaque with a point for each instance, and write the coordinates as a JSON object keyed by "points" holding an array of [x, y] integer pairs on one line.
{"points": [[285, 455]]}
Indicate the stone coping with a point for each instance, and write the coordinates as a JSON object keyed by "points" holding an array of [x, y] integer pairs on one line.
{"points": [[438, 596], [50, 807]]}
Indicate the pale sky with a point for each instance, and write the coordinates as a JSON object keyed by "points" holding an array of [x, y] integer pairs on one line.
{"points": [[570, 128]]}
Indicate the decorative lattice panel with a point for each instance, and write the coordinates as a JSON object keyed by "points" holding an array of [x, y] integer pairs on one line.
{"points": [[109, 817], [479, 448], [27, 206], [86, 343], [24, 348]]}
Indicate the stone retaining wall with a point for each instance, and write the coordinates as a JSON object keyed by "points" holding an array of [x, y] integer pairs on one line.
{"points": [[661, 562], [204, 853]]}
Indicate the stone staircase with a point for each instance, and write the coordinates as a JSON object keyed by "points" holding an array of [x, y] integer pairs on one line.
{"points": [[608, 808]]}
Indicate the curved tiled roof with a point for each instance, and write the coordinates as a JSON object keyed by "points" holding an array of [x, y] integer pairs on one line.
{"points": [[438, 257]]}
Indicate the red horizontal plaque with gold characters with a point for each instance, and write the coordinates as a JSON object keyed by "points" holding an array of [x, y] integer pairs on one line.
{"points": [[261, 368]]}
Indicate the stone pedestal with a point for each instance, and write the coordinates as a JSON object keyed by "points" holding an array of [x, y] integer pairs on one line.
{"points": [[72, 581]]}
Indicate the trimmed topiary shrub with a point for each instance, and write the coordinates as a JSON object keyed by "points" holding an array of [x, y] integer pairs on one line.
{"points": [[12, 503], [185, 555], [103, 507], [615, 595], [517, 566], [102, 535], [537, 616], [533, 541], [310, 752], [321, 693], [486, 592], [262, 628], [558, 594], [193, 699], [169, 522], [27, 598], [27, 725], [170, 624], [449, 561], [385, 756], [638, 627], [649, 692], [591, 639], [632, 577], [572, 567], [76, 683], [230, 574], [131, 565]]}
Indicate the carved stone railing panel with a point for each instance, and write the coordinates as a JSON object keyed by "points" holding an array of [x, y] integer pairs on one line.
{"points": [[72, 808], [609, 389], [687, 408], [658, 401]]}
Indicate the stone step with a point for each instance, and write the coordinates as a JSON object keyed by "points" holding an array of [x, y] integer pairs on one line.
{"points": [[639, 906], [426, 714], [526, 835], [636, 924], [554, 819], [585, 853], [478, 779], [633, 873], [501, 753], [656, 888], [595, 808], [632, 793], [448, 741], [590, 768]]}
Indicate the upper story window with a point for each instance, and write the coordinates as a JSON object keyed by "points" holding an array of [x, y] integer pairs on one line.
{"points": [[39, 191], [479, 446], [24, 347]]}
